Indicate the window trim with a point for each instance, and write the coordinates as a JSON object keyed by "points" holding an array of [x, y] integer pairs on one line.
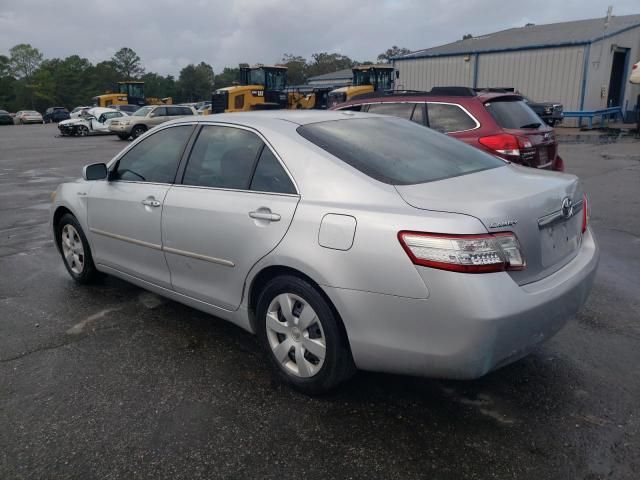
{"points": [[426, 102], [187, 156]]}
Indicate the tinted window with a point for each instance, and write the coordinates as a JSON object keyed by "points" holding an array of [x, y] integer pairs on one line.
{"points": [[222, 157], [513, 114], [402, 110], [418, 114], [396, 151], [160, 112], [185, 111], [352, 108], [449, 118], [154, 159], [270, 176]]}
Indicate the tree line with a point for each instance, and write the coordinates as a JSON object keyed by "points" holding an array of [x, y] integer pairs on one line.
{"points": [[29, 81]]}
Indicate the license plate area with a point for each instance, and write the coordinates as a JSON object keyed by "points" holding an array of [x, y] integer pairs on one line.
{"points": [[560, 240]]}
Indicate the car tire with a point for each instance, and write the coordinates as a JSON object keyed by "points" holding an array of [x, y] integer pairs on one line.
{"points": [[123, 136], [137, 131], [74, 249], [82, 131], [292, 315]]}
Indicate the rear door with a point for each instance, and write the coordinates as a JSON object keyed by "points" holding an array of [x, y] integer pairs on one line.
{"points": [[234, 205]]}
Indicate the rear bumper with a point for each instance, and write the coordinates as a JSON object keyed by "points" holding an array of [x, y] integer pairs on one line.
{"points": [[469, 325]]}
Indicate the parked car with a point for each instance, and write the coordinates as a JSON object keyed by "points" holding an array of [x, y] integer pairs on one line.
{"points": [[342, 239], [56, 114], [635, 73], [128, 109], [5, 118], [27, 116], [498, 123], [95, 121], [551, 113], [78, 111], [146, 118]]}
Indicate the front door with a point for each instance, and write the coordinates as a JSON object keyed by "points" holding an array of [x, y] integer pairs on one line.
{"points": [[234, 205], [124, 212]]}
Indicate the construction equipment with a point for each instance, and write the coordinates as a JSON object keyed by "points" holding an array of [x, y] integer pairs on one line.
{"points": [[130, 92], [366, 79], [261, 87]]}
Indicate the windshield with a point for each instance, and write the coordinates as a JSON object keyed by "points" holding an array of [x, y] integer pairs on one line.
{"points": [[131, 89], [513, 114], [142, 112], [361, 77], [396, 151]]}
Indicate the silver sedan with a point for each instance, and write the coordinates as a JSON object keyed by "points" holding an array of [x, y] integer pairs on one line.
{"points": [[343, 240]]}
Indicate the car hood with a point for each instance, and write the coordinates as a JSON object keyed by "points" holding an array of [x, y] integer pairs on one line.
{"points": [[73, 121]]}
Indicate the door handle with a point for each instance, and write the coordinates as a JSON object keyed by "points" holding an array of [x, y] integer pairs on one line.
{"points": [[265, 215], [151, 202]]}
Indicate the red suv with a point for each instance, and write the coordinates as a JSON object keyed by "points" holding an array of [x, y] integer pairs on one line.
{"points": [[499, 122]]}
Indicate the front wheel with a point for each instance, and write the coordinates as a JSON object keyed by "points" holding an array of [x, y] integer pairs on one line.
{"points": [[137, 131], [75, 250], [302, 336], [83, 131]]}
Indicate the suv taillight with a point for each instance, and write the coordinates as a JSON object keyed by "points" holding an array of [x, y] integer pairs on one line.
{"points": [[509, 147], [464, 253]]}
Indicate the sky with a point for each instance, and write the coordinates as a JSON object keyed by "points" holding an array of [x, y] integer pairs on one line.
{"points": [[170, 34]]}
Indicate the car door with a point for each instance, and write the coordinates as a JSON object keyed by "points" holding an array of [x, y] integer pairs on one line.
{"points": [[124, 212], [158, 116], [233, 206]]}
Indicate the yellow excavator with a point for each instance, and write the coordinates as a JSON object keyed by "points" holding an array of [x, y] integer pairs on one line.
{"points": [[130, 92], [264, 87], [366, 79]]}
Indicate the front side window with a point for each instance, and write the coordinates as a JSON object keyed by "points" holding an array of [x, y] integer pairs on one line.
{"points": [[160, 112], [142, 112], [447, 118], [223, 157], [402, 110], [155, 159], [395, 151]]}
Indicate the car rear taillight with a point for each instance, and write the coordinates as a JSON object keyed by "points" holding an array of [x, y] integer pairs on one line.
{"points": [[558, 165], [464, 253], [585, 213], [503, 144]]}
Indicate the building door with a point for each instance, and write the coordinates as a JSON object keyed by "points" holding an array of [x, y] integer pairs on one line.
{"points": [[617, 80]]}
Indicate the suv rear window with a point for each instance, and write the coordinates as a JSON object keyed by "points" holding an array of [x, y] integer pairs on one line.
{"points": [[513, 114], [396, 151]]}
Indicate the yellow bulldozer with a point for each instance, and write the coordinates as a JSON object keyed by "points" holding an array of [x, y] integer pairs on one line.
{"points": [[366, 79], [129, 92], [264, 87]]}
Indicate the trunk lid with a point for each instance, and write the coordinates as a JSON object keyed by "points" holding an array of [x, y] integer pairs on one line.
{"points": [[516, 199]]}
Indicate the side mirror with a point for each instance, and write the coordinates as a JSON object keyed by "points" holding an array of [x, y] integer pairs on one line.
{"points": [[95, 171], [153, 114]]}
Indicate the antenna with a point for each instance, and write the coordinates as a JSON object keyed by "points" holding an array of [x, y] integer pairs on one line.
{"points": [[608, 18]]}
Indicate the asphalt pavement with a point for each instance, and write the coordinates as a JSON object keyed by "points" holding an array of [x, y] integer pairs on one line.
{"points": [[111, 381]]}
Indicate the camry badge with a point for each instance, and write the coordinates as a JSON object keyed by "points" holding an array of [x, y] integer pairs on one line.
{"points": [[503, 223], [567, 207]]}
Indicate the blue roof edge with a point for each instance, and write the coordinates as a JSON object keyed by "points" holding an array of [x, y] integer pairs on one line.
{"points": [[411, 56]]}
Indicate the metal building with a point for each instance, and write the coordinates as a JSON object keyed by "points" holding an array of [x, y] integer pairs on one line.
{"points": [[339, 78], [583, 64]]}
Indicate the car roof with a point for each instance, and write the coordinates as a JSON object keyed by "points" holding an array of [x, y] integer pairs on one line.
{"points": [[445, 94], [297, 117]]}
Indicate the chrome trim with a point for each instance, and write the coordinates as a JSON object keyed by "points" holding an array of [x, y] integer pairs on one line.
{"points": [[427, 102], [556, 216], [545, 165], [126, 239], [224, 189], [206, 258]]}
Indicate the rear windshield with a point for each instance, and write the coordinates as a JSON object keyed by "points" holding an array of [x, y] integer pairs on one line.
{"points": [[396, 151], [513, 114]]}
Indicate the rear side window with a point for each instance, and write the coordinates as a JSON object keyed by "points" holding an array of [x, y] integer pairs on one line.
{"points": [[402, 110], [396, 151], [160, 112], [154, 159], [513, 114], [447, 118], [270, 176], [223, 157]]}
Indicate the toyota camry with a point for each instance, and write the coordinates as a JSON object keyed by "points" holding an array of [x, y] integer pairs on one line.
{"points": [[343, 240]]}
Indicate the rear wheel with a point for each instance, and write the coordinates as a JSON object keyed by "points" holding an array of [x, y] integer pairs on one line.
{"points": [[137, 131], [302, 336], [75, 250]]}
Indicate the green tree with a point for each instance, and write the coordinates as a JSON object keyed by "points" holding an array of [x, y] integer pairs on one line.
{"points": [[328, 62], [128, 64], [155, 85], [7, 85], [226, 77], [296, 69], [195, 82], [24, 60], [394, 51], [104, 78]]}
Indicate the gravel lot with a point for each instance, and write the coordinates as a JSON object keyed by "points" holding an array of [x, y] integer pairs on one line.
{"points": [[111, 381]]}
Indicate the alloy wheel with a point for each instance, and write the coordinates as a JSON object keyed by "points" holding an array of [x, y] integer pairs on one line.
{"points": [[295, 335], [72, 249]]}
